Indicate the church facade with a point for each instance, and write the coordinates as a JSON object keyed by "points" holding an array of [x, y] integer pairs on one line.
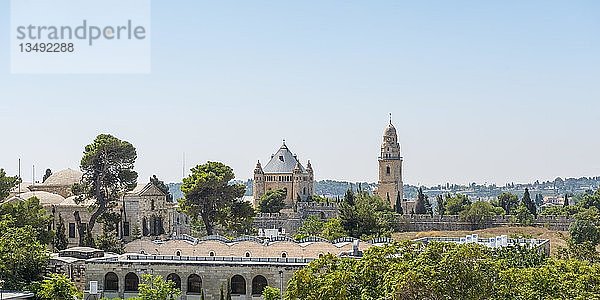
{"points": [[284, 171]]}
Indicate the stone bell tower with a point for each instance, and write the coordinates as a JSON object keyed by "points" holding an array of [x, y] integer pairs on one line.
{"points": [[390, 167]]}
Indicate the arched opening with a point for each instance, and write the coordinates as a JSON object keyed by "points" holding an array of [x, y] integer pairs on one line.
{"points": [[111, 282], [211, 253], [178, 253], [304, 190], [247, 254], [131, 282], [238, 285], [284, 254], [194, 284], [259, 283], [175, 279]]}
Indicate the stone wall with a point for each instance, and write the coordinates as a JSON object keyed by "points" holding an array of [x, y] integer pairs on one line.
{"points": [[452, 223], [214, 272]]}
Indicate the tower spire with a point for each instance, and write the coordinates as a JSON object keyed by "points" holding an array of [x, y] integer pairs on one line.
{"points": [[390, 118]]}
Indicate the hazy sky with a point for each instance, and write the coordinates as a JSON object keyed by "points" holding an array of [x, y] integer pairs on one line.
{"points": [[480, 91]]}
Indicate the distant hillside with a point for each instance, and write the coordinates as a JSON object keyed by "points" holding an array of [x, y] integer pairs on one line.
{"points": [[334, 188]]}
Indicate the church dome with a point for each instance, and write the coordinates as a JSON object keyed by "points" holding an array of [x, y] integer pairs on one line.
{"points": [[44, 197], [66, 177]]}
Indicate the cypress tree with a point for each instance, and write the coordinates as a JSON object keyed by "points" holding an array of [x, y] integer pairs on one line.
{"points": [[399, 209], [421, 206], [566, 202], [60, 239], [530, 205]]}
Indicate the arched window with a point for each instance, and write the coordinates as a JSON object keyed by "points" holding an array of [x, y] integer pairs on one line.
{"points": [[194, 284], [284, 254], [304, 191], [176, 279], [211, 253], [258, 285], [111, 282], [387, 170], [247, 254], [178, 253], [238, 285], [131, 282]]}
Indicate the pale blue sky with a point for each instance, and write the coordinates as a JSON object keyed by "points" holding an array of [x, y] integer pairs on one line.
{"points": [[480, 91]]}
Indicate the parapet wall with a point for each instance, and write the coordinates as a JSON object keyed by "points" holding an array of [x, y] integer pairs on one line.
{"points": [[452, 223]]}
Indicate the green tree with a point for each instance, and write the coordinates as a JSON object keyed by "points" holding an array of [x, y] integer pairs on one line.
{"points": [[107, 166], [522, 215], [272, 201], [161, 186], [311, 226], [271, 293], [110, 243], [7, 183], [508, 201], [566, 201], [399, 209], [440, 207], [333, 229], [241, 218], [209, 195], [421, 205], [46, 175], [155, 287], [368, 216], [457, 203], [479, 213], [529, 204], [60, 241], [58, 287], [23, 257], [30, 213], [586, 227]]}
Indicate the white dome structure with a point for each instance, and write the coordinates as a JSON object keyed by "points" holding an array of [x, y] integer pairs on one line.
{"points": [[66, 177], [45, 198]]}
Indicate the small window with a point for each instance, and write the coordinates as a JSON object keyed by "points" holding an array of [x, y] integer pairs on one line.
{"points": [[125, 228], [320, 255], [178, 253], [387, 170], [247, 254], [211, 253], [281, 157], [71, 230], [152, 204], [283, 254]]}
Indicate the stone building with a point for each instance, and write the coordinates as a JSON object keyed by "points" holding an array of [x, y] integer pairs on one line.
{"points": [[390, 186], [284, 171], [146, 209], [200, 266]]}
